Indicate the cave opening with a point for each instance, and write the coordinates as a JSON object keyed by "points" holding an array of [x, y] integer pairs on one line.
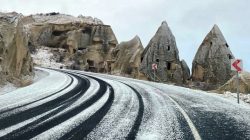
{"points": [[57, 33], [230, 56], [168, 64], [87, 30], [91, 63], [227, 45], [141, 59], [168, 47]]}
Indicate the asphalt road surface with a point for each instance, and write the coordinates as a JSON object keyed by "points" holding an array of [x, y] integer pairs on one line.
{"points": [[68, 104]]}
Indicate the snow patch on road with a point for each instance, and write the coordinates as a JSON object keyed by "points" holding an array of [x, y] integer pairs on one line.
{"points": [[233, 96], [9, 87], [42, 88], [60, 130]]}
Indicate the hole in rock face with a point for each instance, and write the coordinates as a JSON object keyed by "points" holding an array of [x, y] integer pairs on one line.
{"points": [[157, 60], [30, 69], [1, 50], [211, 43], [87, 30], [227, 45], [57, 33], [230, 56], [168, 48], [91, 63], [168, 64]]}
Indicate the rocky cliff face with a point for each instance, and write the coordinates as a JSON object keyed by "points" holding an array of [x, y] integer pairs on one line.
{"points": [[15, 59], [162, 50], [211, 64], [87, 42], [128, 58]]}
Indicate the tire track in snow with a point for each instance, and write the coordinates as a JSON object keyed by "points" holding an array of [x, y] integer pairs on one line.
{"points": [[177, 108], [120, 118], [32, 112], [88, 125], [9, 111], [135, 128], [33, 128], [191, 125]]}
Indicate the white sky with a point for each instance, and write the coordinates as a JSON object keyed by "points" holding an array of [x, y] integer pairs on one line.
{"points": [[189, 20]]}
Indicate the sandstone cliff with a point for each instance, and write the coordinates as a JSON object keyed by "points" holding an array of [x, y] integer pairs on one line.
{"points": [[128, 58], [86, 41], [211, 64], [162, 50], [15, 59]]}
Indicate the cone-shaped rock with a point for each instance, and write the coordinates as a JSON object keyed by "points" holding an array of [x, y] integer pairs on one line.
{"points": [[128, 58], [162, 50], [212, 61]]}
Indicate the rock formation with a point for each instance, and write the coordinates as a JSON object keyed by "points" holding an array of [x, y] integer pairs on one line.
{"points": [[128, 58], [211, 64], [88, 43], [231, 85], [15, 59], [162, 50]]}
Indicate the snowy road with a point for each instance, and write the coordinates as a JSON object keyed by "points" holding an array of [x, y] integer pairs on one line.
{"points": [[77, 105]]}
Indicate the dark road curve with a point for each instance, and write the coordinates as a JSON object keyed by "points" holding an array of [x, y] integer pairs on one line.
{"points": [[88, 125], [21, 106], [134, 130], [26, 132], [159, 112]]}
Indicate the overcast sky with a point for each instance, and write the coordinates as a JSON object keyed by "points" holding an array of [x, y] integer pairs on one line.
{"points": [[189, 20]]}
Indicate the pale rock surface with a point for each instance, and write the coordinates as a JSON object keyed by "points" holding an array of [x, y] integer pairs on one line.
{"points": [[244, 84], [15, 60], [86, 41], [128, 58]]}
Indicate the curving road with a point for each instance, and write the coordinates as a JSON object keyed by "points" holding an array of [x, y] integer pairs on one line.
{"points": [[69, 104]]}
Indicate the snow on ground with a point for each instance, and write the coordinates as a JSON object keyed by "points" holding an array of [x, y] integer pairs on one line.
{"points": [[44, 87], [233, 96], [9, 87], [244, 98], [44, 58]]}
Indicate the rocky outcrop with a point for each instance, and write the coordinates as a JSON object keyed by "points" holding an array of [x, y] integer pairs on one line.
{"points": [[128, 58], [185, 71], [87, 42], [231, 85], [15, 59], [162, 50], [211, 64]]}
